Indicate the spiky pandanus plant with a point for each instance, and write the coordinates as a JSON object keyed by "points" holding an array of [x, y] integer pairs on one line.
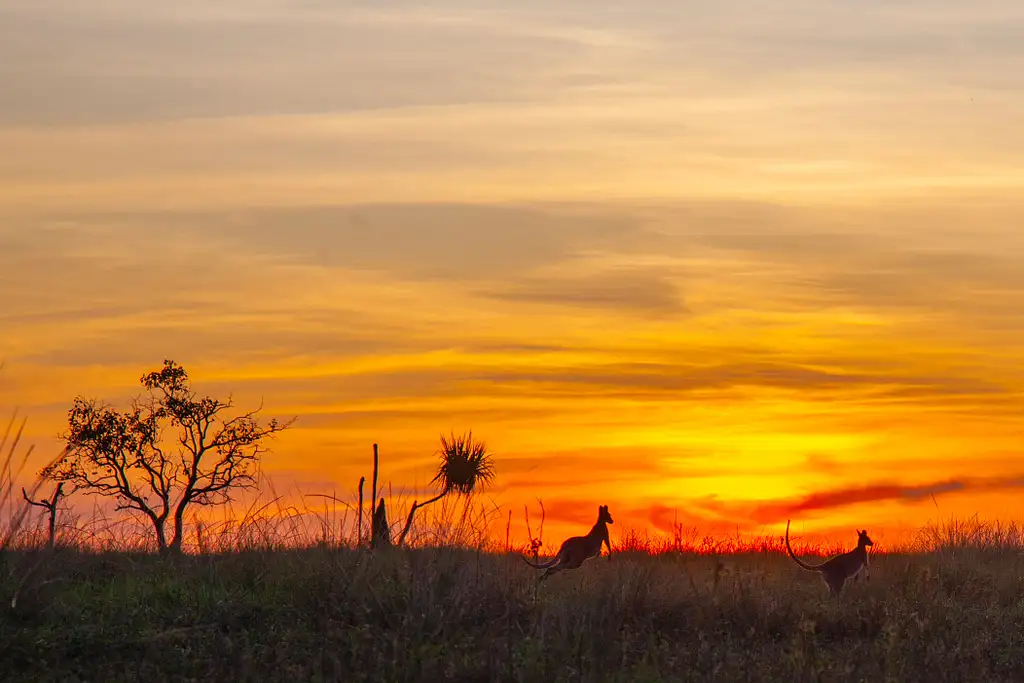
{"points": [[465, 467]]}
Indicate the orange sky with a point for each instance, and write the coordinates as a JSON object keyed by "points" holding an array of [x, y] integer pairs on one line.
{"points": [[711, 264]]}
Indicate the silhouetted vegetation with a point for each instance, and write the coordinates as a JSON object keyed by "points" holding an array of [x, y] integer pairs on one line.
{"points": [[465, 468], [280, 592], [52, 507], [125, 454], [320, 613]]}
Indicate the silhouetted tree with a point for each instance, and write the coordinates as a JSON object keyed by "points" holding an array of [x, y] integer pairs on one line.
{"points": [[51, 506], [124, 455], [465, 467]]}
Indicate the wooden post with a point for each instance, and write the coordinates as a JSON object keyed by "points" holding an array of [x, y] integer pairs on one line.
{"points": [[376, 464], [374, 526], [359, 516]]}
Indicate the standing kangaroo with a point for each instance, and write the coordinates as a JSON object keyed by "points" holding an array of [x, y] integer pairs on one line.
{"points": [[837, 570], [575, 550]]}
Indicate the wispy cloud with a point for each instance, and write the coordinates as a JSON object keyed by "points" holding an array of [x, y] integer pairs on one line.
{"points": [[828, 501], [632, 292], [647, 379]]}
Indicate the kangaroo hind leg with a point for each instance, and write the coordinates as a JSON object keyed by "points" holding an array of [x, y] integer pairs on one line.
{"points": [[554, 569], [551, 570], [835, 585]]}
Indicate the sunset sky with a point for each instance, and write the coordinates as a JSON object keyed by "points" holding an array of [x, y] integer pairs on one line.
{"points": [[716, 263]]}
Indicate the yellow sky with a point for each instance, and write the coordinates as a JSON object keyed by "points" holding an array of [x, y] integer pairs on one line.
{"points": [[710, 264]]}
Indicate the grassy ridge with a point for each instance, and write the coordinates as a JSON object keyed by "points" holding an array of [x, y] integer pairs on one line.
{"points": [[441, 614]]}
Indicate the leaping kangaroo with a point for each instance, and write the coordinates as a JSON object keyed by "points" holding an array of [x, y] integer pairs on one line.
{"points": [[837, 570], [575, 550]]}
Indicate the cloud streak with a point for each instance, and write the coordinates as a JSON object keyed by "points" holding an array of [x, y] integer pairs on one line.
{"points": [[825, 501], [637, 293]]}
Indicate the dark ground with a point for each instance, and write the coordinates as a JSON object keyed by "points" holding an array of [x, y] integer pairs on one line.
{"points": [[436, 614]]}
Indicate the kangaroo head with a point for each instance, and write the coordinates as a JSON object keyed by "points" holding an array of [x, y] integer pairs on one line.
{"points": [[603, 515], [862, 538]]}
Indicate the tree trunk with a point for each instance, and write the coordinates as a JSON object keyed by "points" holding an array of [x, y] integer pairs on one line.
{"points": [[412, 511], [54, 503], [52, 506], [52, 541], [159, 524], [179, 532]]}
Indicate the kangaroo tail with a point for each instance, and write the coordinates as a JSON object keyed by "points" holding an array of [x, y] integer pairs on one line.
{"points": [[809, 567], [543, 565]]}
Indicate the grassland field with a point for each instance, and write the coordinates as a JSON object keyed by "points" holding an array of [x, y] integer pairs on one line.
{"points": [[952, 612]]}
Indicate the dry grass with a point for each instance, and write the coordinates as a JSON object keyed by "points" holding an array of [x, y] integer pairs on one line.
{"points": [[950, 611]]}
